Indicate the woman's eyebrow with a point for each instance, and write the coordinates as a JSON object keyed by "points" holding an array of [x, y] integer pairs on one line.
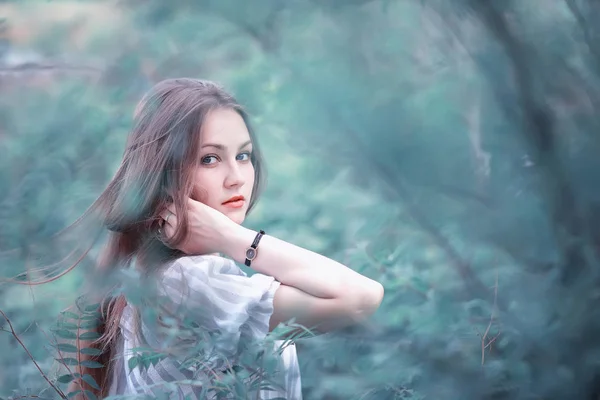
{"points": [[222, 147]]}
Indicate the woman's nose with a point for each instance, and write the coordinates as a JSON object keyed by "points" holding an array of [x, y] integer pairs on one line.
{"points": [[234, 177]]}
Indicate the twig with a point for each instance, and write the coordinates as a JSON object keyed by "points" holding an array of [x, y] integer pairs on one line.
{"points": [[492, 341], [36, 67], [60, 354], [12, 330], [487, 331]]}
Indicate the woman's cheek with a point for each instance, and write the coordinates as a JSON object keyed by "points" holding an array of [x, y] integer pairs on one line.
{"points": [[200, 194]]}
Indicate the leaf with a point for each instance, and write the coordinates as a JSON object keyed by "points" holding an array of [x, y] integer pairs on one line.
{"points": [[154, 356], [68, 361], [89, 336], [89, 324], [90, 381], [69, 314], [62, 333], [66, 378], [91, 351], [133, 362], [94, 316], [91, 364], [140, 349], [73, 394], [68, 325], [90, 395], [92, 307], [146, 362], [67, 348]]}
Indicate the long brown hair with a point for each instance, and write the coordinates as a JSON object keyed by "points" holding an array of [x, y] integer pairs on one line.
{"points": [[156, 169]]}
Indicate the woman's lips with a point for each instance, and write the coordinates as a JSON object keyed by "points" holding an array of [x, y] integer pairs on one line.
{"points": [[234, 204]]}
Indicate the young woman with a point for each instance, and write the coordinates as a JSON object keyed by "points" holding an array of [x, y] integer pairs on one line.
{"points": [[191, 172]]}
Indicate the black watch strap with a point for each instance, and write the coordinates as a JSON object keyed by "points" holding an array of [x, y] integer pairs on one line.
{"points": [[252, 251]]}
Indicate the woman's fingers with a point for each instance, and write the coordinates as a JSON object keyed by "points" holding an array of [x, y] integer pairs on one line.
{"points": [[168, 222], [169, 218], [171, 208], [168, 213]]}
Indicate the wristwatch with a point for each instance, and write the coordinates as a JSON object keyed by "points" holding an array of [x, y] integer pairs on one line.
{"points": [[252, 251]]}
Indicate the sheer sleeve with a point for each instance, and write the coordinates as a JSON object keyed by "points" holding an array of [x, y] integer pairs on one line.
{"points": [[217, 295]]}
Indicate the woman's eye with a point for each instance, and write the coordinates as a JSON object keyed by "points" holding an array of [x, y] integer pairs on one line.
{"points": [[243, 156], [209, 160]]}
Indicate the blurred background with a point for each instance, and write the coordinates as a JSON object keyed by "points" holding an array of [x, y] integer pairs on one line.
{"points": [[448, 149]]}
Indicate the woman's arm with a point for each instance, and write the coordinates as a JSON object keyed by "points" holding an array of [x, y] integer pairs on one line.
{"points": [[315, 290]]}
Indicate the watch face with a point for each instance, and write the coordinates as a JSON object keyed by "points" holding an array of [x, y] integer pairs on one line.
{"points": [[250, 253]]}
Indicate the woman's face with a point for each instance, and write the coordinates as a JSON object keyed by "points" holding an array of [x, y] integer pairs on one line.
{"points": [[224, 175]]}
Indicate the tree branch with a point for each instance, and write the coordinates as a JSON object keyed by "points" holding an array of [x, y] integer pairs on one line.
{"points": [[538, 131], [594, 51], [484, 337], [12, 330], [39, 67], [60, 354]]}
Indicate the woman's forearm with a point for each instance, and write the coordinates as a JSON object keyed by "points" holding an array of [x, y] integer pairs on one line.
{"points": [[303, 269]]}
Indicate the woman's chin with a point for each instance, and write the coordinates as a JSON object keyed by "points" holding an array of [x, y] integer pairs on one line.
{"points": [[238, 219], [237, 215]]}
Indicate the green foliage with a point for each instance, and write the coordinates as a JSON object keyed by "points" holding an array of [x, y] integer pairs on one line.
{"points": [[446, 149]]}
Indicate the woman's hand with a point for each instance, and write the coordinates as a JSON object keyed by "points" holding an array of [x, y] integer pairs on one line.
{"points": [[208, 228]]}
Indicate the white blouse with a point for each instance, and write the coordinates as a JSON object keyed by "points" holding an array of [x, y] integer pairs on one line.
{"points": [[232, 307]]}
